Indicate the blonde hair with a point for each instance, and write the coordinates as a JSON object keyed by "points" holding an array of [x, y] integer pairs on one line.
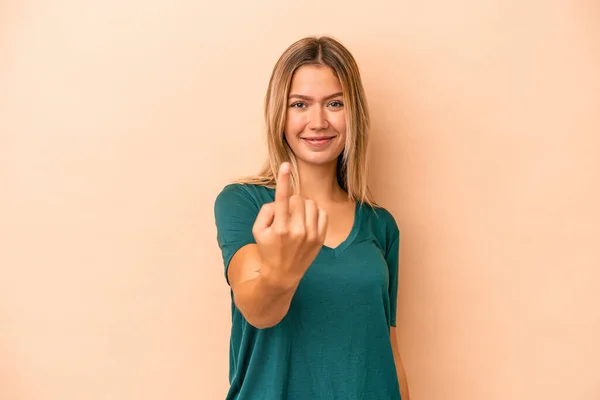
{"points": [[352, 171]]}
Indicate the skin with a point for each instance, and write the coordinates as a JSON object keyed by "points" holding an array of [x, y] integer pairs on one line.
{"points": [[399, 365], [315, 108]]}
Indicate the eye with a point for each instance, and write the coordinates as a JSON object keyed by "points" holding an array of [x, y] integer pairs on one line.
{"points": [[336, 104], [297, 104]]}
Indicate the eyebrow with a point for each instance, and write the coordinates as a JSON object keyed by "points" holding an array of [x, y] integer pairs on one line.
{"points": [[303, 97]]}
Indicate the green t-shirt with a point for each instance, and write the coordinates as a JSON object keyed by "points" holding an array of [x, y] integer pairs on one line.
{"points": [[334, 342]]}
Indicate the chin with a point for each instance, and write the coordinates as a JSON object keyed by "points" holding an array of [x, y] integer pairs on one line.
{"points": [[318, 159]]}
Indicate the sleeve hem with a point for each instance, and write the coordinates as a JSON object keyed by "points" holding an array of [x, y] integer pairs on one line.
{"points": [[233, 253]]}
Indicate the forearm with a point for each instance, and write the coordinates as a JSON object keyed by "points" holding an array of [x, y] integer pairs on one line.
{"points": [[262, 303], [402, 378], [399, 365]]}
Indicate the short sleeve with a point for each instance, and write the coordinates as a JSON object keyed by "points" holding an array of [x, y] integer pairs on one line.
{"points": [[235, 211], [392, 258]]}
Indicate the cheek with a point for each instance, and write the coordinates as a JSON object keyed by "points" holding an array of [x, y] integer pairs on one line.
{"points": [[338, 122], [294, 124]]}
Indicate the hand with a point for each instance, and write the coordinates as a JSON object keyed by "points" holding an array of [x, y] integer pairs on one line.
{"points": [[289, 233]]}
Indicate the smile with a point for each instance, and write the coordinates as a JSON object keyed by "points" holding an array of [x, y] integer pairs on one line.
{"points": [[321, 141]]}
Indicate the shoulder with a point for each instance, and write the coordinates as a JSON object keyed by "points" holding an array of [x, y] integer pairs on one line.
{"points": [[382, 225], [242, 194], [233, 191], [382, 218]]}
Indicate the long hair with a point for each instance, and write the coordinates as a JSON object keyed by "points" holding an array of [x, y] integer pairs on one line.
{"points": [[352, 169]]}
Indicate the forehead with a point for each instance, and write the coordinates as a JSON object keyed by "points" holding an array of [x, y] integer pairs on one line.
{"points": [[315, 80]]}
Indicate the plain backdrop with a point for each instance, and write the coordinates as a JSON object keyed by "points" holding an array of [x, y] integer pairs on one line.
{"points": [[120, 121]]}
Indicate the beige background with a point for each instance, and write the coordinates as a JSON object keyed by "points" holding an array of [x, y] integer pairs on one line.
{"points": [[121, 120]]}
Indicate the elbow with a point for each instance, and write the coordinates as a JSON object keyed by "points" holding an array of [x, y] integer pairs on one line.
{"points": [[258, 324], [257, 319], [259, 310]]}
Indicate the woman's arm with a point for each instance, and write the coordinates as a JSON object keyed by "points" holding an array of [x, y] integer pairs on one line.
{"points": [[263, 304], [399, 366]]}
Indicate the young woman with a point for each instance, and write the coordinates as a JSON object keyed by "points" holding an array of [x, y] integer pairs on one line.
{"points": [[311, 260]]}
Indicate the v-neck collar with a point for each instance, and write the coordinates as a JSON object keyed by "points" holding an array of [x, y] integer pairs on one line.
{"points": [[337, 250]]}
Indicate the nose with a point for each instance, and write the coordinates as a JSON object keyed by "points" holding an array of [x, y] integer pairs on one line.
{"points": [[318, 119]]}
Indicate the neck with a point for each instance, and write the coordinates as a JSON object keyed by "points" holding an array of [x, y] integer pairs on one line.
{"points": [[319, 183]]}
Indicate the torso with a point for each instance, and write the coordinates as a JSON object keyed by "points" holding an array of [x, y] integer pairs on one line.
{"points": [[334, 341]]}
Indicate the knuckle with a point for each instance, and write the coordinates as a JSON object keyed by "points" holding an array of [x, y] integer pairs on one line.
{"points": [[281, 231], [298, 232]]}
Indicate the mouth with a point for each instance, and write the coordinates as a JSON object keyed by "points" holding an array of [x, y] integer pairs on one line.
{"points": [[318, 141]]}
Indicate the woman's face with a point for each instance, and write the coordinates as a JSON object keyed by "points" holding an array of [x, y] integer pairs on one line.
{"points": [[315, 126]]}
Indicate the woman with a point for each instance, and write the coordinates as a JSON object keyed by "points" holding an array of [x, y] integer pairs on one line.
{"points": [[311, 260]]}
